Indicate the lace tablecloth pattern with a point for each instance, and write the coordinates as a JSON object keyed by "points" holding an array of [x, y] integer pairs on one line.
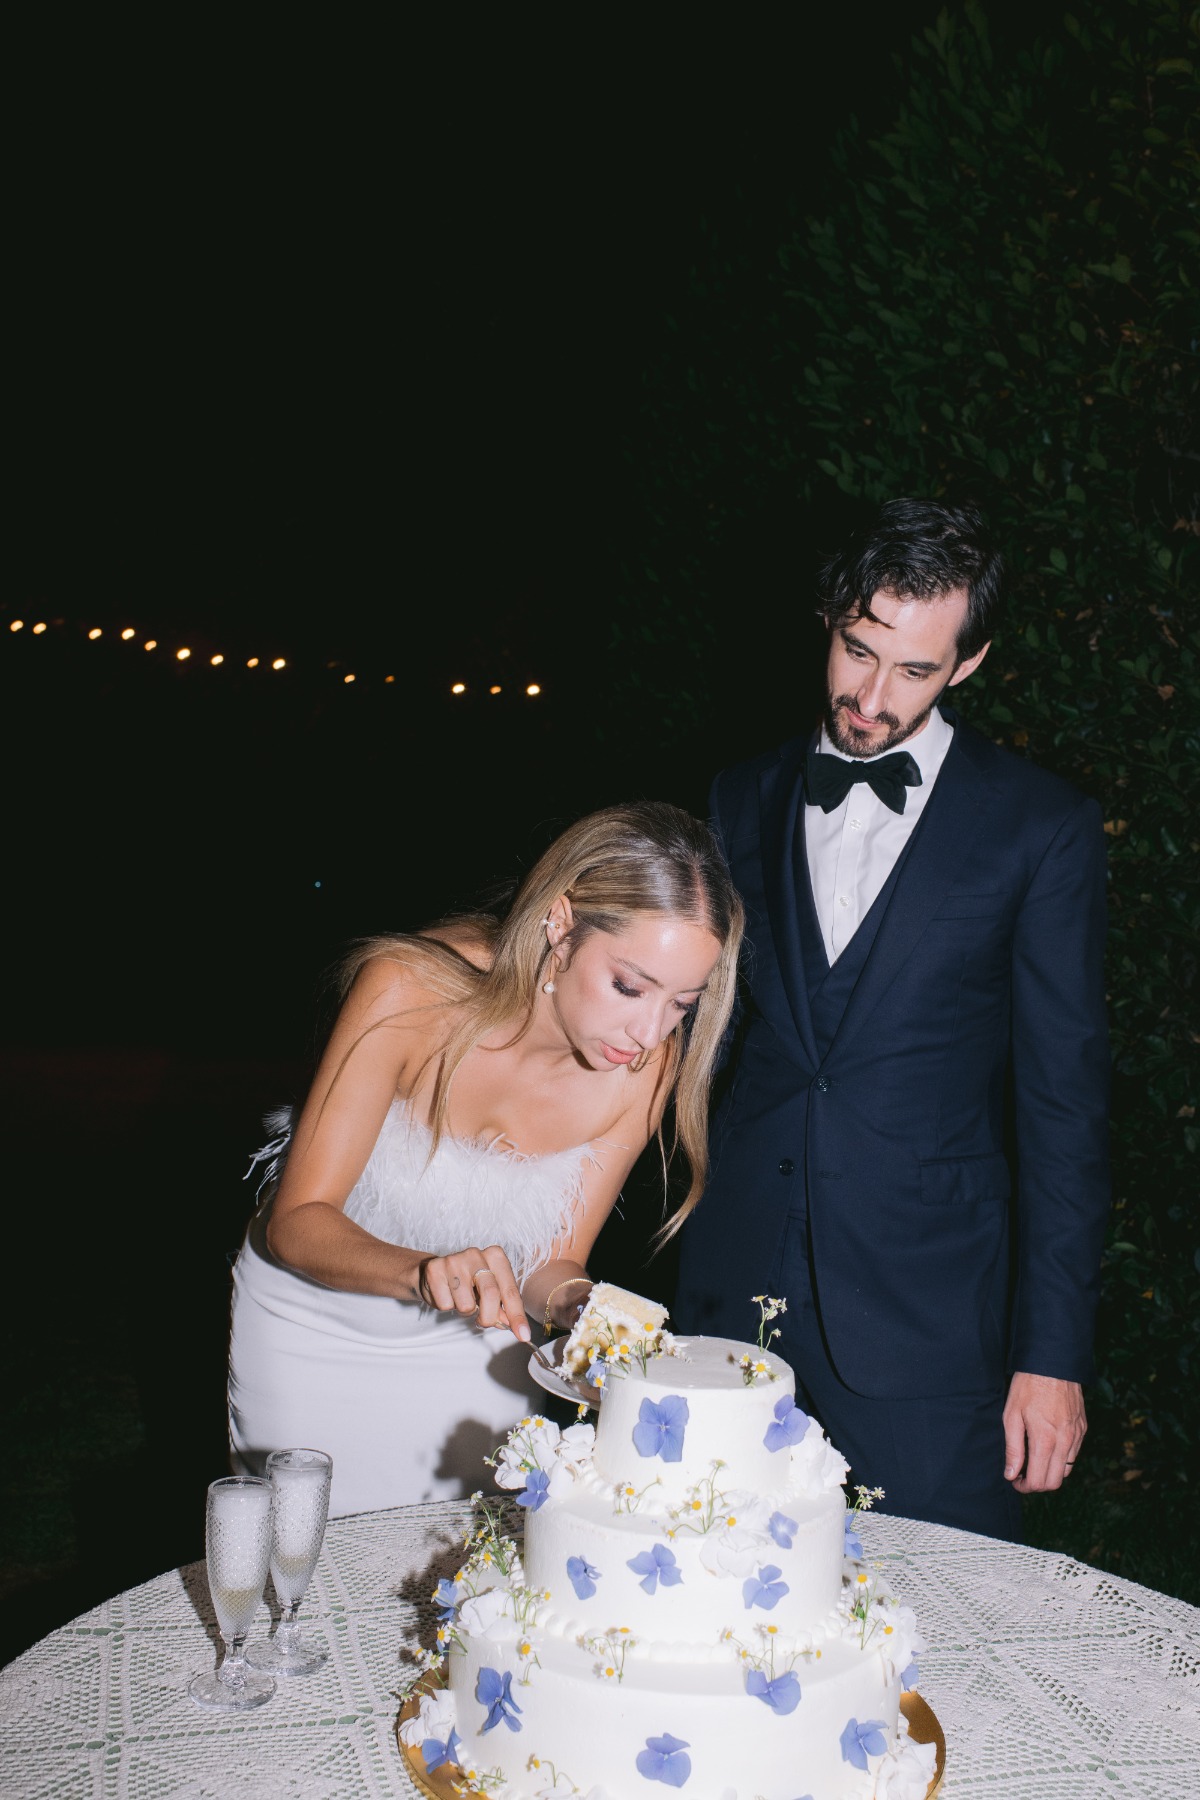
{"points": [[1052, 1680]]}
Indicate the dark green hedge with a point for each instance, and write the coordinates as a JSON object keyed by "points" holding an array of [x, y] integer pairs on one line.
{"points": [[1003, 297]]}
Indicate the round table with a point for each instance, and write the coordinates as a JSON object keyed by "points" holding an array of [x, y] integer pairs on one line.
{"points": [[1050, 1679]]}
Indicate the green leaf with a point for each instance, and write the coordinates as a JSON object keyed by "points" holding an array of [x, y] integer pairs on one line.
{"points": [[997, 462], [1058, 561]]}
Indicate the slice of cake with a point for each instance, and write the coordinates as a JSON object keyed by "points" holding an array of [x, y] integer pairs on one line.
{"points": [[611, 1318]]}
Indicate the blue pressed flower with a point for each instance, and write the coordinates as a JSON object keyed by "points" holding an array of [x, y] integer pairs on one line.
{"points": [[789, 1427], [665, 1759], [436, 1753], [782, 1695], [536, 1490], [582, 1576], [495, 1692], [782, 1529], [655, 1565], [446, 1598], [765, 1589], [910, 1676], [853, 1543], [660, 1427], [860, 1741]]}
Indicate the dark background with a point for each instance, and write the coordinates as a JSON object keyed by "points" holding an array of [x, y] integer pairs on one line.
{"points": [[340, 352]]}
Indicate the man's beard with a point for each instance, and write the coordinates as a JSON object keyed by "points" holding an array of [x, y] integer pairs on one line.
{"points": [[852, 742]]}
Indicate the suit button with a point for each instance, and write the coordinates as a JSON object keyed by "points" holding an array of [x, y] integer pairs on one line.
{"points": [[787, 1166], [821, 1084]]}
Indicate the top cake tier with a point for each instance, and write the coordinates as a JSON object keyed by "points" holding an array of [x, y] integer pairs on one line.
{"points": [[673, 1421]]}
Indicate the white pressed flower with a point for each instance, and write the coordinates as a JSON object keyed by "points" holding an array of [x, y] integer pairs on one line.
{"points": [[577, 1444], [489, 1615], [817, 1468], [742, 1536], [436, 1718], [895, 1635], [906, 1772]]}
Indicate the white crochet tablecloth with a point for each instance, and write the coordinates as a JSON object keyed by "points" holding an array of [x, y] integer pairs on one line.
{"points": [[1050, 1679]]}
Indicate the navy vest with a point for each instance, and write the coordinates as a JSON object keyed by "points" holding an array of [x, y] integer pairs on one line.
{"points": [[830, 988]]}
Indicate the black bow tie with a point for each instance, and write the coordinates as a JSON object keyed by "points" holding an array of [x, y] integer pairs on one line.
{"points": [[828, 779]]}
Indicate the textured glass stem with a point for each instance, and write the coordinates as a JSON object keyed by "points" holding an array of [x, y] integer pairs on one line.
{"points": [[233, 1668], [288, 1633]]}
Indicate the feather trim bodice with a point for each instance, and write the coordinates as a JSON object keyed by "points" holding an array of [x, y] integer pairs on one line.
{"points": [[468, 1192]]}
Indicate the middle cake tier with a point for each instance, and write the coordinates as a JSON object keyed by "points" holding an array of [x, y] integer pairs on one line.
{"points": [[683, 1577]]}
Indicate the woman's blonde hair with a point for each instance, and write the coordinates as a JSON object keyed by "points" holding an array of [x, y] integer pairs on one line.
{"points": [[613, 866]]}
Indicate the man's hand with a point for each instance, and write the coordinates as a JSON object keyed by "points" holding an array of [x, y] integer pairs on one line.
{"points": [[1044, 1426]]}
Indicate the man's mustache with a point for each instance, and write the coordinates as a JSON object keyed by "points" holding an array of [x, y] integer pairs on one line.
{"points": [[847, 701]]}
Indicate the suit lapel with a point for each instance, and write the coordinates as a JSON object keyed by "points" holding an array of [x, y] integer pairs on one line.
{"points": [[781, 807], [940, 844]]}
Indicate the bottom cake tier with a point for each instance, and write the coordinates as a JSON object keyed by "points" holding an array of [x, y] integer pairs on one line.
{"points": [[545, 1715]]}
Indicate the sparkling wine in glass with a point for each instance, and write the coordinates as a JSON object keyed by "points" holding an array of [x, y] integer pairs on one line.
{"points": [[238, 1550], [301, 1480]]}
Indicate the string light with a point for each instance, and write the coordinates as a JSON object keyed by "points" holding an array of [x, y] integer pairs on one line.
{"points": [[128, 634]]}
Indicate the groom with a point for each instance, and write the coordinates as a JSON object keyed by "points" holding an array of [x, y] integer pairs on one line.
{"points": [[925, 932]]}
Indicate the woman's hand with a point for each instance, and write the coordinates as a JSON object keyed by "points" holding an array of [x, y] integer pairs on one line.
{"points": [[475, 1281]]}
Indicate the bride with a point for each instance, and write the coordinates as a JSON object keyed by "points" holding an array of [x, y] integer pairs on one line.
{"points": [[483, 1096]]}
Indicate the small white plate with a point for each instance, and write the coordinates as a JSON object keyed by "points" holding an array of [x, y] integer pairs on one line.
{"points": [[567, 1387]]}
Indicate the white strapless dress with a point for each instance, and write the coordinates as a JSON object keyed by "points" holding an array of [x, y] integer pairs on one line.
{"points": [[407, 1401]]}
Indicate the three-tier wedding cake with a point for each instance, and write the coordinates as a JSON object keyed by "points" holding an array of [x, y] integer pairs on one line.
{"points": [[690, 1608]]}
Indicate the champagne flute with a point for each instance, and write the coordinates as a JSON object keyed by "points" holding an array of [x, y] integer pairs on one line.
{"points": [[238, 1551], [301, 1480]]}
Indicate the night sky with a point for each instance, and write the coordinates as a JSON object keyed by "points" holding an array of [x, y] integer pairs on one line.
{"points": [[335, 351]]}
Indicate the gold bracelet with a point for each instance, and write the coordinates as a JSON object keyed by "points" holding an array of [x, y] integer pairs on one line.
{"points": [[547, 1322]]}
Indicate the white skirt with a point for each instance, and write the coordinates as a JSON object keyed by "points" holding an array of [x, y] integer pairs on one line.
{"points": [[408, 1402]]}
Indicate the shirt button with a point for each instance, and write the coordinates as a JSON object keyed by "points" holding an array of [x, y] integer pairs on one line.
{"points": [[821, 1084], [843, 900], [856, 824], [787, 1166]]}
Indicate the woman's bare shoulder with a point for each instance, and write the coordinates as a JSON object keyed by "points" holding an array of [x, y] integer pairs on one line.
{"points": [[394, 982]]}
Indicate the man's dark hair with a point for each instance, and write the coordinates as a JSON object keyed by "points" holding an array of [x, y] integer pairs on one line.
{"points": [[918, 550]]}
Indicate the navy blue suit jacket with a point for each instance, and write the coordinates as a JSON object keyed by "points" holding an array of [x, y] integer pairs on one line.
{"points": [[936, 1267]]}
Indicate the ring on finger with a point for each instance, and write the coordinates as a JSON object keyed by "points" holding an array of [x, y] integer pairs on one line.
{"points": [[484, 1271]]}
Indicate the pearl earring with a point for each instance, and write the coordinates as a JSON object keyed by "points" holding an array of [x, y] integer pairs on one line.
{"points": [[548, 987]]}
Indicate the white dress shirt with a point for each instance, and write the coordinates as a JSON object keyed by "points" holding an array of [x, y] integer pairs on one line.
{"points": [[853, 849]]}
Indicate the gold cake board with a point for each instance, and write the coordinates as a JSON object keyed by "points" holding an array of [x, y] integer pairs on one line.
{"points": [[923, 1728]]}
